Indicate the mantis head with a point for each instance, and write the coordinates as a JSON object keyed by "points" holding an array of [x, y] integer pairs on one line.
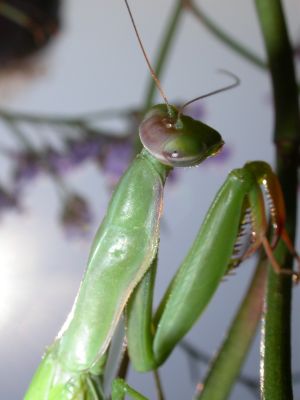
{"points": [[171, 137], [177, 140]]}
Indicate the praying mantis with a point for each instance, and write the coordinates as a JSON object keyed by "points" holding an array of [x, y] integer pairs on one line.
{"points": [[120, 272]]}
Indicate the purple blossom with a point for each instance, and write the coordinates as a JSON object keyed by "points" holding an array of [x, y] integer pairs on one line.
{"points": [[8, 200], [195, 110], [58, 161], [174, 176], [87, 148], [76, 216], [223, 156], [28, 166], [116, 160], [77, 152]]}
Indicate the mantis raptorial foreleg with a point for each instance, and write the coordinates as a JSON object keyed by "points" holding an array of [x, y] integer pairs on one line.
{"points": [[204, 266]]}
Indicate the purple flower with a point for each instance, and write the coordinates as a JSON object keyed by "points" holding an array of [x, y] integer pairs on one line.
{"points": [[221, 157], [195, 110], [58, 161], [76, 216], [84, 149], [116, 160], [173, 176], [78, 151], [28, 166], [8, 200]]}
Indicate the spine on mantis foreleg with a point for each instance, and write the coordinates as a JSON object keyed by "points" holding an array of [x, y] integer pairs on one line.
{"points": [[122, 251]]}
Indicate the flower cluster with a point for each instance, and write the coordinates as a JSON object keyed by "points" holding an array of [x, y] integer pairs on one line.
{"points": [[112, 153]]}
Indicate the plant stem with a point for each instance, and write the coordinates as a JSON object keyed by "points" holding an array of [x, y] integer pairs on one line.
{"points": [[196, 355], [224, 37], [63, 120], [159, 389], [21, 137], [229, 360], [124, 364], [14, 14], [275, 347]]}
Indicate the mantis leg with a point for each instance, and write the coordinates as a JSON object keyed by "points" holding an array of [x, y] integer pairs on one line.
{"points": [[120, 389], [209, 258]]}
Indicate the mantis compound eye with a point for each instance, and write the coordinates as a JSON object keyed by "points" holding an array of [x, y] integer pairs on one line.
{"points": [[178, 143], [182, 150]]}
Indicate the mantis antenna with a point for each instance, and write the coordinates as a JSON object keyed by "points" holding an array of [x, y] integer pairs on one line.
{"points": [[154, 76], [236, 82], [157, 81]]}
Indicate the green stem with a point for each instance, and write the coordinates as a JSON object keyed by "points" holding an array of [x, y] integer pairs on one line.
{"points": [[124, 364], [120, 389], [94, 389], [223, 36], [275, 347], [61, 120], [14, 14], [196, 355], [159, 388], [14, 128], [62, 190], [20, 18], [230, 358]]}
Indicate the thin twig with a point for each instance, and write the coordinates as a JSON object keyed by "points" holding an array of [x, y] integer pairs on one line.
{"points": [[276, 345], [159, 388], [224, 37]]}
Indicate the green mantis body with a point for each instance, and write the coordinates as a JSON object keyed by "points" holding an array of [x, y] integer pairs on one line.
{"points": [[121, 267]]}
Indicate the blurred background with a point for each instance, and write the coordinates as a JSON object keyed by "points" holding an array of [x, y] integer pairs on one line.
{"points": [[72, 85]]}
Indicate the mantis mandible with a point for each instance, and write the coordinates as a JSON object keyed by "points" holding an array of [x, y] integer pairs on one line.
{"points": [[121, 267]]}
